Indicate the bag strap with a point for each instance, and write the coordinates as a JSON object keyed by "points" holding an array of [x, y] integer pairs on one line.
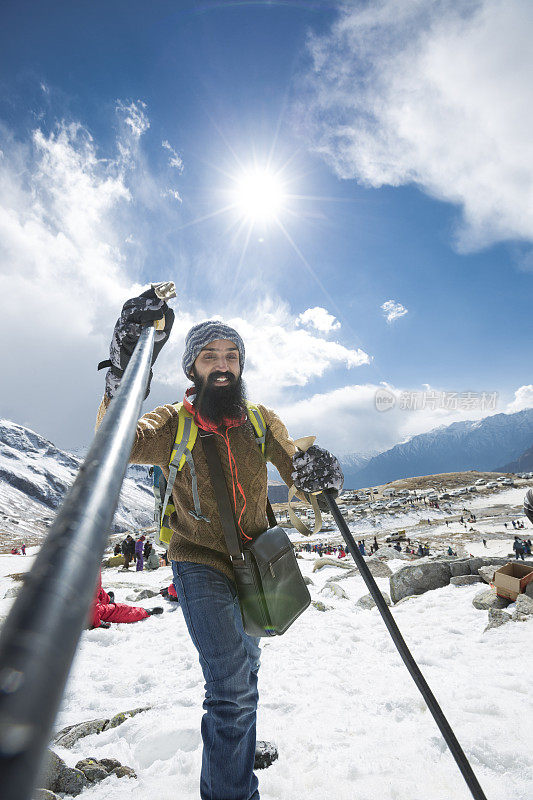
{"points": [[218, 482]]}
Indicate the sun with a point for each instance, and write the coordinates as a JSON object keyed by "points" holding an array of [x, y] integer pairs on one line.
{"points": [[259, 195]]}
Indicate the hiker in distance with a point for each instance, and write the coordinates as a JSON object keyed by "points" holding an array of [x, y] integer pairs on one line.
{"points": [[213, 360]]}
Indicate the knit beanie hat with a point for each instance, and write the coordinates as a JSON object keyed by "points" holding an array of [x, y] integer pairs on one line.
{"points": [[200, 335]]}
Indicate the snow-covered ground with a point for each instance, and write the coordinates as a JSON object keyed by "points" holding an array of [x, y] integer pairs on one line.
{"points": [[335, 698]]}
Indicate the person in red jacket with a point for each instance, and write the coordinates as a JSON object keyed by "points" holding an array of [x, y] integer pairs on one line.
{"points": [[105, 610]]}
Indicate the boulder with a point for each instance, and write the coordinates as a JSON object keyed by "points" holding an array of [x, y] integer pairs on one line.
{"points": [[367, 601], [109, 763], [265, 754], [44, 794], [419, 578], [378, 568], [485, 561], [335, 589], [497, 617], [67, 737], [57, 777], [326, 561], [390, 553], [460, 567], [465, 580], [113, 561], [92, 769], [319, 605], [308, 581], [141, 594], [487, 598], [123, 772], [487, 573], [523, 608]]}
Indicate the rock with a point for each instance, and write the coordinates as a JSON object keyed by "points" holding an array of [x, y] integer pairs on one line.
{"points": [[349, 573], [110, 763], [335, 589], [367, 601], [319, 606], [118, 719], [68, 736], [419, 578], [523, 608], [44, 794], [326, 561], [57, 777], [113, 561], [123, 772], [265, 754], [486, 561], [378, 568], [12, 592], [497, 617], [465, 580], [95, 773], [308, 581], [460, 567], [487, 573], [389, 553], [487, 598], [141, 594]]}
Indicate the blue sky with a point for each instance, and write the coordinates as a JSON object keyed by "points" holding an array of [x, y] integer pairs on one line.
{"points": [[401, 135]]}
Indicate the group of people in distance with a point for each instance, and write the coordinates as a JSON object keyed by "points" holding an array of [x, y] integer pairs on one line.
{"points": [[140, 551]]}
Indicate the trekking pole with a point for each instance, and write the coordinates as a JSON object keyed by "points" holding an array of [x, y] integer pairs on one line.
{"points": [[414, 670], [41, 633]]}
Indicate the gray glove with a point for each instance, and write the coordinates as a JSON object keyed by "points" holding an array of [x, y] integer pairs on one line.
{"points": [[136, 314], [316, 470]]}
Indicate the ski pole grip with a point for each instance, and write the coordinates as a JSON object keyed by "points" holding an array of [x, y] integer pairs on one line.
{"points": [[165, 290]]}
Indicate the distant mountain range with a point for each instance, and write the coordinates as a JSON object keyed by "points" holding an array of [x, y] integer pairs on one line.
{"points": [[35, 475], [480, 445], [523, 463]]}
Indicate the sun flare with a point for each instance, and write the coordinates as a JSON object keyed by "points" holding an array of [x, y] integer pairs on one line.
{"points": [[259, 195]]}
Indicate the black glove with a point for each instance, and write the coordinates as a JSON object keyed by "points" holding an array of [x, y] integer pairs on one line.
{"points": [[316, 470], [136, 313]]}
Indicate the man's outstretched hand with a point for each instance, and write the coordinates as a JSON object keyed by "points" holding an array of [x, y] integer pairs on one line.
{"points": [[317, 470], [136, 314]]}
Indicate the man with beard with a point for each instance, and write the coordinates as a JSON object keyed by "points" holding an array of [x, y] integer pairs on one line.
{"points": [[203, 576]]}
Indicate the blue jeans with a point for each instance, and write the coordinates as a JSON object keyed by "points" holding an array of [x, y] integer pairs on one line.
{"points": [[230, 661]]}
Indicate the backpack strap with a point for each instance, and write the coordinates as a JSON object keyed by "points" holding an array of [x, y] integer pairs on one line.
{"points": [[259, 425], [181, 454]]}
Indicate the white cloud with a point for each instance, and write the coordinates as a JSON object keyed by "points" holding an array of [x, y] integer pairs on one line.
{"points": [[63, 274], [279, 354], [346, 420], [319, 318], [174, 194], [523, 398], [436, 94], [135, 117], [175, 160], [393, 311]]}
